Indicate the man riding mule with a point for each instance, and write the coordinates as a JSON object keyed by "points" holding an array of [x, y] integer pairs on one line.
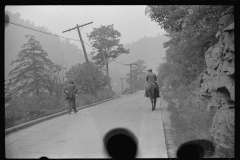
{"points": [[151, 78]]}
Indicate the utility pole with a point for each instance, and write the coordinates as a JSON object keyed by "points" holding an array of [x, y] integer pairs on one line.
{"points": [[134, 87], [122, 84], [85, 55], [131, 74]]}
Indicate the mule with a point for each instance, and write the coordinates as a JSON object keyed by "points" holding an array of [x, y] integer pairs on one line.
{"points": [[152, 93]]}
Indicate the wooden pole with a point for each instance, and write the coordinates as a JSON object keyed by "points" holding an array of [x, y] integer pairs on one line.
{"points": [[86, 58], [85, 55], [131, 73]]}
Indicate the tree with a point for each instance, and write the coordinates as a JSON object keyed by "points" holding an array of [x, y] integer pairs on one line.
{"points": [[79, 74], [32, 64], [8, 96], [192, 29], [138, 75], [163, 72], [54, 79], [105, 40]]}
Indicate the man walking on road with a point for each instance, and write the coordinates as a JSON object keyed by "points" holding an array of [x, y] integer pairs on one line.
{"points": [[70, 92]]}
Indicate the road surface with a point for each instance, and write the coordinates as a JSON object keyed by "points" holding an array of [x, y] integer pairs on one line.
{"points": [[81, 135]]}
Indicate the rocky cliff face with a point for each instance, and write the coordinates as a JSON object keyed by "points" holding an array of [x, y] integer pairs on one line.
{"points": [[217, 87]]}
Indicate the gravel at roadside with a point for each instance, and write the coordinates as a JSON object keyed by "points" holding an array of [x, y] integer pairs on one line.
{"points": [[168, 130]]}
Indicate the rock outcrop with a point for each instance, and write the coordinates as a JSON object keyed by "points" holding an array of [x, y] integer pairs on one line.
{"points": [[217, 87]]}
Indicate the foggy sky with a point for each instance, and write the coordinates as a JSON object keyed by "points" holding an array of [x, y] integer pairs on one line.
{"points": [[130, 21]]}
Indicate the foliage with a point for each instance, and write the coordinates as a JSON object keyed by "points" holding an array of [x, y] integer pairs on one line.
{"points": [[103, 94], [24, 108], [126, 90], [105, 40], [192, 30], [188, 121], [54, 79], [138, 75], [33, 73], [54, 46], [163, 71], [33, 64], [80, 74], [7, 93], [129, 91]]}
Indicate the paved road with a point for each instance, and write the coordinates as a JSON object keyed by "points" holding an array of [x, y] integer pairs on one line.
{"points": [[80, 135]]}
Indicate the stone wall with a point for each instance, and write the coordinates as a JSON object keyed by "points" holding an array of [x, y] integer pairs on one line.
{"points": [[217, 87]]}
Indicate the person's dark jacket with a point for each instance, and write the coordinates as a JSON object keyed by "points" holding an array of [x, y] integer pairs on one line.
{"points": [[151, 77], [70, 91]]}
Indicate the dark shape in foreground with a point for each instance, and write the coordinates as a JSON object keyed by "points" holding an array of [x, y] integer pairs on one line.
{"points": [[196, 149], [6, 20], [120, 143]]}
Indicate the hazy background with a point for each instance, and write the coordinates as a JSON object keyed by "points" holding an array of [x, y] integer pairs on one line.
{"points": [[143, 37]]}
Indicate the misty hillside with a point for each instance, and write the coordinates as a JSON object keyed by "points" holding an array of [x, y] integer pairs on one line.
{"points": [[149, 49], [115, 75], [56, 48]]}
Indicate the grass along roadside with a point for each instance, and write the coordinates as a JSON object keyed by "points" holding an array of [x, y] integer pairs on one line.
{"points": [[25, 109], [187, 122]]}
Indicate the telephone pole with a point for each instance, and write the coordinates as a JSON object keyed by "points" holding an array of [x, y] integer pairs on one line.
{"points": [[122, 84], [131, 74], [85, 55]]}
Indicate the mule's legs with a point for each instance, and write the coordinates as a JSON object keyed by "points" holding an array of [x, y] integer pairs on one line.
{"points": [[155, 100], [152, 101]]}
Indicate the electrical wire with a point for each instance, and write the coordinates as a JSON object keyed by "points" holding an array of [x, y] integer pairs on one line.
{"points": [[56, 36], [87, 13], [119, 62], [63, 15], [14, 23], [89, 45], [124, 64]]}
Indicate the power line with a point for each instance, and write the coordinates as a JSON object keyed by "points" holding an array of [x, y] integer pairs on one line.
{"points": [[38, 30], [14, 23], [119, 62], [55, 36], [63, 15], [87, 13], [124, 64], [89, 45]]}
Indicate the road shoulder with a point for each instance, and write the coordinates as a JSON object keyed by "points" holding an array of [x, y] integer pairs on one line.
{"points": [[171, 148]]}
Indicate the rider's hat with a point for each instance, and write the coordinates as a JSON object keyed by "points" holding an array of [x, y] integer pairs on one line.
{"points": [[149, 69]]}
